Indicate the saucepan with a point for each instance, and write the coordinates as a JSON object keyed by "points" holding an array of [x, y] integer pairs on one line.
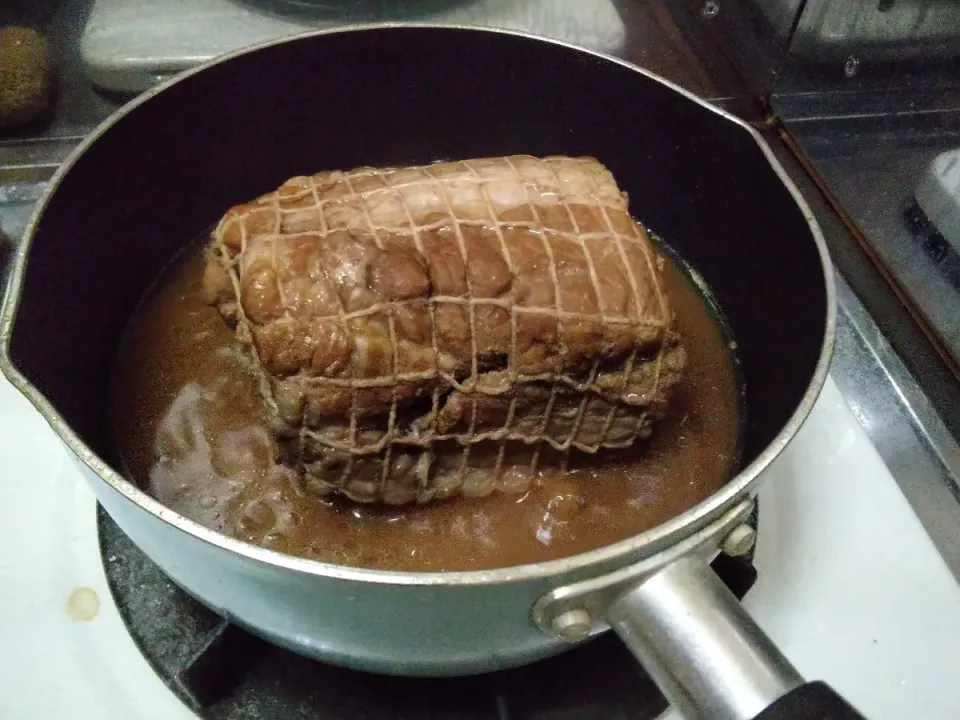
{"points": [[167, 164]]}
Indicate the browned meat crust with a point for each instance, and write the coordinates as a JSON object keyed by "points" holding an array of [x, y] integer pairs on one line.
{"points": [[427, 331]]}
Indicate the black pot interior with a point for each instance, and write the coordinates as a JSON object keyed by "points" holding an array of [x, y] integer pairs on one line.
{"points": [[167, 170]]}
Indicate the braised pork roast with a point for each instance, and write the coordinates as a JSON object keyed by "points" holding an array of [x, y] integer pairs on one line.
{"points": [[423, 332]]}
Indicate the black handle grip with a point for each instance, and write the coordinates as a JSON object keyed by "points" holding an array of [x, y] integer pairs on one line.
{"points": [[812, 701]]}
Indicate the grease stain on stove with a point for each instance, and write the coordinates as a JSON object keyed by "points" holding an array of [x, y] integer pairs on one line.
{"points": [[83, 605]]}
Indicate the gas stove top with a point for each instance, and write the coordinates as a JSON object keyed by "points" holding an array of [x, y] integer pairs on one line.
{"points": [[850, 587], [850, 584], [857, 554]]}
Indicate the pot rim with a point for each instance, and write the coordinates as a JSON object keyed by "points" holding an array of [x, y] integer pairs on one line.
{"points": [[629, 550]]}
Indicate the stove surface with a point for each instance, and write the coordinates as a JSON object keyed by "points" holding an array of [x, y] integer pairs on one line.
{"points": [[858, 168], [850, 585]]}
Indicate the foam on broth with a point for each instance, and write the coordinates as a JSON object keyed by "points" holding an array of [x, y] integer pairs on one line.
{"points": [[191, 431]]}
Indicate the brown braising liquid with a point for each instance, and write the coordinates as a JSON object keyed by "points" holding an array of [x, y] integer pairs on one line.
{"points": [[191, 431]]}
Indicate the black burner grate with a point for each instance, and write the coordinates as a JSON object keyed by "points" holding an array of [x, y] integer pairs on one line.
{"points": [[224, 673]]}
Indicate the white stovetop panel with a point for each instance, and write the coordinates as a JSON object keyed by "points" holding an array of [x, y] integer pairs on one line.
{"points": [[850, 586], [129, 45]]}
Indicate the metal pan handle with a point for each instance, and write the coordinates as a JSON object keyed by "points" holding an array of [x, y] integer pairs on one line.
{"points": [[692, 635], [708, 656]]}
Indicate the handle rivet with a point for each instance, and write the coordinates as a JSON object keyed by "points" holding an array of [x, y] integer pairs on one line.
{"points": [[710, 9], [573, 625], [851, 66], [740, 540]]}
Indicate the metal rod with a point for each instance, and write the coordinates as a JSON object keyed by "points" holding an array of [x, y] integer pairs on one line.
{"points": [[700, 646]]}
